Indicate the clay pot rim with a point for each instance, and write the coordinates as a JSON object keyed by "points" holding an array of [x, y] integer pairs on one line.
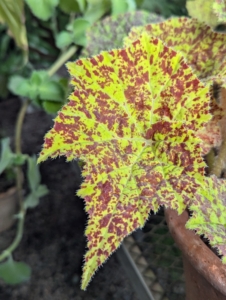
{"points": [[8, 193], [207, 263]]}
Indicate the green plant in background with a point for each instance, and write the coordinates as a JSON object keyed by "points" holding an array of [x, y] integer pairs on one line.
{"points": [[139, 118], [11, 271]]}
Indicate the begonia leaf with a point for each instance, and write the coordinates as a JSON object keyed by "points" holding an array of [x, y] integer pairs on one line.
{"points": [[219, 7], [132, 119], [209, 213], [202, 48], [203, 11], [109, 33], [211, 133]]}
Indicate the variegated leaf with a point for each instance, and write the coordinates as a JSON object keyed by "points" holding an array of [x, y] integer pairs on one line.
{"points": [[132, 118], [203, 49], [209, 213], [108, 34]]}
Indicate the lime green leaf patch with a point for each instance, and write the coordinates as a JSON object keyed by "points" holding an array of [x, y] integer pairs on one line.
{"points": [[203, 11], [44, 9], [202, 48], [209, 213], [132, 118], [109, 33], [219, 7]]}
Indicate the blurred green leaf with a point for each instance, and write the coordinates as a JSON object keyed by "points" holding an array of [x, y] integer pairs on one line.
{"points": [[8, 158], [19, 86], [118, 7], [32, 200], [39, 87], [43, 9], [50, 90], [79, 31], [13, 272], [51, 107], [132, 5], [12, 14], [76, 34], [6, 155], [64, 39], [37, 190], [19, 159], [33, 174], [96, 9], [122, 6], [165, 8], [82, 5], [69, 6]]}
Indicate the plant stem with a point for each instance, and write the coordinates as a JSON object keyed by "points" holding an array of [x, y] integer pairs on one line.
{"points": [[210, 157], [19, 183], [61, 60], [220, 161], [19, 124], [7, 252]]}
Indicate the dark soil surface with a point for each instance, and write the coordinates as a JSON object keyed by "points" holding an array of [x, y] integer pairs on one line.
{"points": [[53, 243]]}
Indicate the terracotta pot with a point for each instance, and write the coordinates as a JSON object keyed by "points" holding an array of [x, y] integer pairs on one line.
{"points": [[205, 275], [8, 208]]}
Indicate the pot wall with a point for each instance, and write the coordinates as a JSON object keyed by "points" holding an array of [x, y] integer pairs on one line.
{"points": [[205, 275], [8, 207], [197, 287]]}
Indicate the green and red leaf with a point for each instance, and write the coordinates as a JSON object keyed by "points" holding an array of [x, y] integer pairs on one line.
{"points": [[108, 34], [209, 213], [203, 49], [211, 134], [132, 119]]}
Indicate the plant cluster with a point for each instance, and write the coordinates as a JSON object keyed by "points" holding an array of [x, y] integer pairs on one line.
{"points": [[36, 40], [148, 124], [146, 118]]}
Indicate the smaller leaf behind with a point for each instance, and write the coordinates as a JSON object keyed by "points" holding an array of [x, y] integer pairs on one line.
{"points": [[202, 10], [219, 7], [203, 49], [108, 34], [209, 213]]}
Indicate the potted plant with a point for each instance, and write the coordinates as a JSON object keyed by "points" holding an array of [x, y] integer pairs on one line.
{"points": [[147, 125]]}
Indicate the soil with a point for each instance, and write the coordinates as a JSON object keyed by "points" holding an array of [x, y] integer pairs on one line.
{"points": [[53, 243]]}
